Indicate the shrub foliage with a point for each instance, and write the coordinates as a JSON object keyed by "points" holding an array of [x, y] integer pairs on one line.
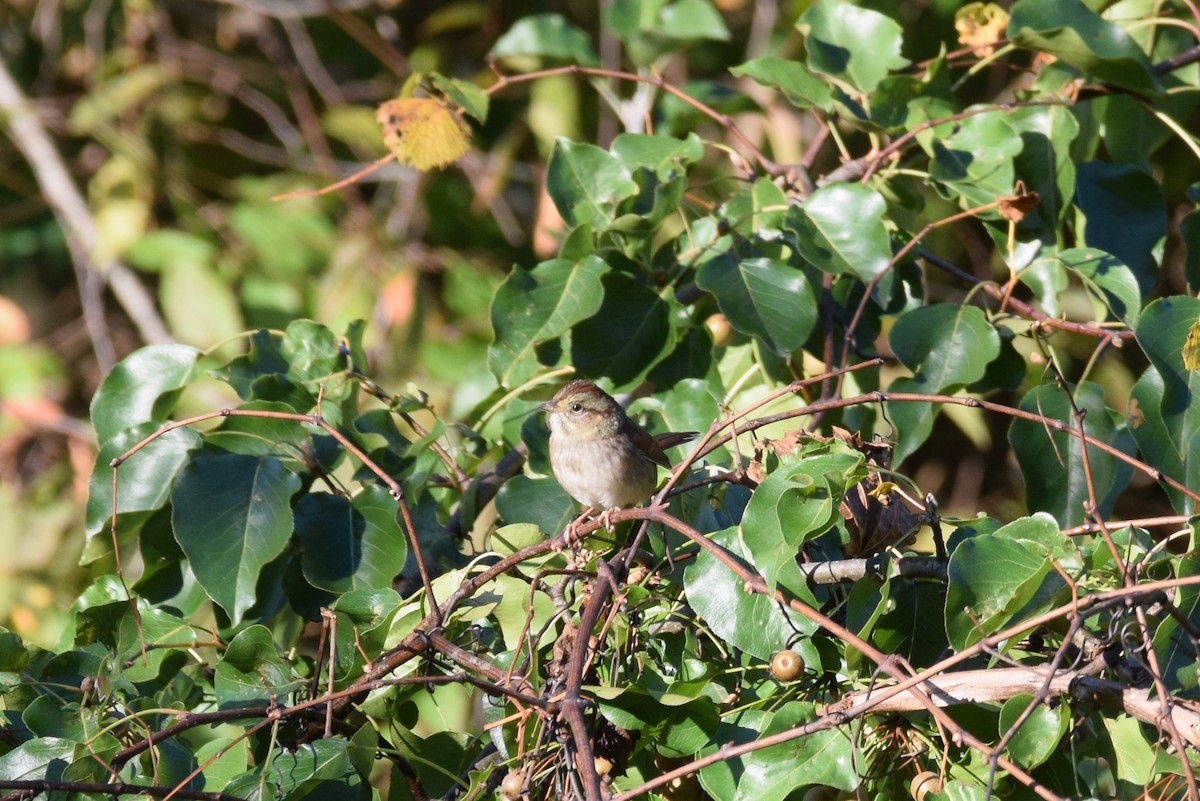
{"points": [[326, 588]]}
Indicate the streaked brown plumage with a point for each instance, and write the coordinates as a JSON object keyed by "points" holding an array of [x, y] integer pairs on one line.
{"points": [[601, 458]]}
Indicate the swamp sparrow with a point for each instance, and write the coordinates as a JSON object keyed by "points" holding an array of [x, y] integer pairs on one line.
{"points": [[601, 458]]}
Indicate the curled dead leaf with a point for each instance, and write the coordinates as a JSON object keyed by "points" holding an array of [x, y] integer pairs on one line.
{"points": [[1015, 207]]}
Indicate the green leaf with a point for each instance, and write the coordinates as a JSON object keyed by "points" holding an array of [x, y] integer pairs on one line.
{"points": [[286, 440], [855, 45], [251, 672], [748, 621], [976, 161], [689, 406], [535, 306], [641, 317], [664, 156], [1130, 131], [151, 627], [903, 626], [795, 503], [840, 230], [1175, 648], [39, 759], [287, 240], [507, 540], [13, 655], [199, 306], [294, 369], [144, 481], [755, 212], [48, 716], [946, 346], [1106, 279], [547, 36], [312, 352], [1134, 753], [464, 94], [1126, 215], [536, 500], [659, 167], [1039, 735], [224, 759], [517, 614], [1155, 438], [1189, 230], [896, 99], [762, 298], [158, 250], [1072, 32], [797, 83], [232, 515], [350, 544], [1001, 577], [369, 609], [98, 612], [586, 183], [143, 387], [1169, 415], [828, 758], [692, 19], [1056, 478], [1046, 165], [1048, 279]]}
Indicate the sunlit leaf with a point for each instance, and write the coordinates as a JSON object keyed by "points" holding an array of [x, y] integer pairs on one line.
{"points": [[980, 26], [1069, 30], [856, 45], [423, 132]]}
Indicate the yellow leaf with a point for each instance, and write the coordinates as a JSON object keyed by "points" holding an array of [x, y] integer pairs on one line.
{"points": [[423, 132], [1191, 348], [981, 25], [1135, 417], [884, 490]]}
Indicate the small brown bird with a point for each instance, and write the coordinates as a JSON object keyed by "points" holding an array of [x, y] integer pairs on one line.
{"points": [[601, 458]]}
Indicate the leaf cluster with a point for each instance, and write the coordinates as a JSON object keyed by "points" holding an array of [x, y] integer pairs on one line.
{"points": [[326, 589]]}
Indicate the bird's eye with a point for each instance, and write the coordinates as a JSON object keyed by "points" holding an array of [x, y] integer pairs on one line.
{"points": [[576, 407]]}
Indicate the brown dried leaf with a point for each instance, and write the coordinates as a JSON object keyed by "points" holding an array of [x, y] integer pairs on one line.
{"points": [[1015, 207], [874, 520], [786, 444], [423, 132]]}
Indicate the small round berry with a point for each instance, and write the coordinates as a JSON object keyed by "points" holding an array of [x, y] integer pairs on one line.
{"points": [[511, 786], [786, 665], [925, 784]]}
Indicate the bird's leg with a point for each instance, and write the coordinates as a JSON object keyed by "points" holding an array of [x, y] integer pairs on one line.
{"points": [[606, 519], [571, 535]]}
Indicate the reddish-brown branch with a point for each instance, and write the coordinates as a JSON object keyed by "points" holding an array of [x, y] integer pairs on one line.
{"points": [[1041, 320], [711, 444], [724, 120], [754, 583]]}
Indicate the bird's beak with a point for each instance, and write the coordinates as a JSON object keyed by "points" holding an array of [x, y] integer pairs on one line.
{"points": [[548, 406]]}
